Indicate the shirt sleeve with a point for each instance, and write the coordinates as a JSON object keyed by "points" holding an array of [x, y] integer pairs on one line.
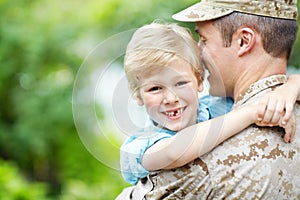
{"points": [[132, 152], [211, 107]]}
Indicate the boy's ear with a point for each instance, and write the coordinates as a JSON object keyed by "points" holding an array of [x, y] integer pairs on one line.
{"points": [[139, 101], [200, 87], [246, 40]]}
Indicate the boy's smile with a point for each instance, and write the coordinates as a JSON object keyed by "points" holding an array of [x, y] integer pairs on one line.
{"points": [[170, 95], [175, 113]]}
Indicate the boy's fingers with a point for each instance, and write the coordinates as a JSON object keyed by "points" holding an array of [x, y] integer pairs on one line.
{"points": [[270, 111], [262, 106], [277, 113], [288, 113], [290, 130]]}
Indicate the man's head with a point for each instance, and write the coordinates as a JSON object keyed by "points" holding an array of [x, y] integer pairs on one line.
{"points": [[249, 36], [212, 9], [271, 19]]}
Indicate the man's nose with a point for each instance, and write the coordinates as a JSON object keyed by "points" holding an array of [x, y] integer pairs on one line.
{"points": [[201, 48]]}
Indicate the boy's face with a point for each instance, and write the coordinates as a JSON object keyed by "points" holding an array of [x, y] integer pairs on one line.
{"points": [[170, 95]]}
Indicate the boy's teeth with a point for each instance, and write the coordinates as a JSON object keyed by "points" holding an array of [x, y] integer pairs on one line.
{"points": [[176, 113]]}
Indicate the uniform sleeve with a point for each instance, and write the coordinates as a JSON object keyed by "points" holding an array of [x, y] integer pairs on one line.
{"points": [[131, 155]]}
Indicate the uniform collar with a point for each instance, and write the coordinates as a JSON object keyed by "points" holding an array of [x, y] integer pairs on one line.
{"points": [[260, 86]]}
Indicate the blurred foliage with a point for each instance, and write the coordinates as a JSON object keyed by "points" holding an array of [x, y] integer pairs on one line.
{"points": [[14, 186], [42, 45]]}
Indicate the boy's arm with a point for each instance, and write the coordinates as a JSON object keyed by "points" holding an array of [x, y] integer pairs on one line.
{"points": [[275, 108], [197, 140], [295, 80]]}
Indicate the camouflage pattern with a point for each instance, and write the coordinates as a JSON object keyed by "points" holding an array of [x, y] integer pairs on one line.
{"points": [[138, 191], [212, 9], [255, 164]]}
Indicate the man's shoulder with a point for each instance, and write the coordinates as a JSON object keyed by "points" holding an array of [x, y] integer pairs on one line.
{"points": [[256, 143], [261, 138], [258, 156]]}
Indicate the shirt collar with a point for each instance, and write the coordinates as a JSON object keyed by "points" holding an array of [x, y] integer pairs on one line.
{"points": [[260, 86]]}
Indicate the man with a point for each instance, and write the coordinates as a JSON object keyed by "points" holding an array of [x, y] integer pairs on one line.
{"points": [[245, 46]]}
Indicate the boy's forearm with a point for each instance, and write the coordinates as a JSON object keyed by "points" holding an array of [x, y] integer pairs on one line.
{"points": [[196, 140], [294, 80]]}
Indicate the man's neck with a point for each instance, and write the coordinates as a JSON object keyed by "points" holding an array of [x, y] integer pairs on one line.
{"points": [[261, 87], [271, 66]]}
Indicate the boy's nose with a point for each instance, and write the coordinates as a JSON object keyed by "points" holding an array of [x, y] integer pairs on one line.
{"points": [[170, 97]]}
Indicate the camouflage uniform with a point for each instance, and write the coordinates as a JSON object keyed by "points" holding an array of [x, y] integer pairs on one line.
{"points": [[255, 164]]}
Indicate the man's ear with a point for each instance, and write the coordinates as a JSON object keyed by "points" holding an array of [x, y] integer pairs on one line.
{"points": [[139, 100], [246, 40]]}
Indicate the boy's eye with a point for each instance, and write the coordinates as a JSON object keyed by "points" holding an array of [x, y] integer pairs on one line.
{"points": [[153, 89], [180, 83]]}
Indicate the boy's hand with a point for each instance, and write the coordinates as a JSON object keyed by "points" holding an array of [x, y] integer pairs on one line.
{"points": [[289, 127], [279, 104], [276, 109]]}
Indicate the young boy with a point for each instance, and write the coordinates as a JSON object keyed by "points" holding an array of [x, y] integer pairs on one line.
{"points": [[164, 71]]}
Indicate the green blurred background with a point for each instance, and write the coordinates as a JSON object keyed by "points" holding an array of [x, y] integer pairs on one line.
{"points": [[42, 46]]}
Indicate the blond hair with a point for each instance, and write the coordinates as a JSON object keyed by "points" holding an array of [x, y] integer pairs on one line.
{"points": [[155, 45]]}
